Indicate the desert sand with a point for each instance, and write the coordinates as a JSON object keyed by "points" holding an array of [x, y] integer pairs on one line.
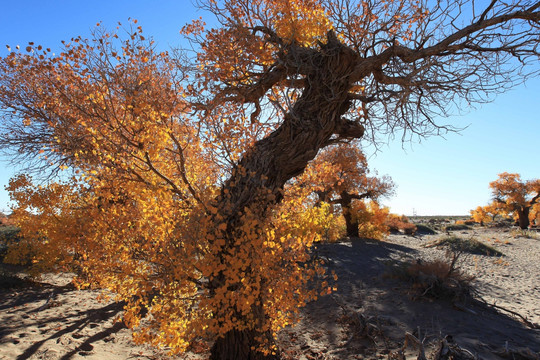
{"points": [[372, 315]]}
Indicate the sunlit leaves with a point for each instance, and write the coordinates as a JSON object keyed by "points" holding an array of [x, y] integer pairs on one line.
{"points": [[513, 196], [136, 210]]}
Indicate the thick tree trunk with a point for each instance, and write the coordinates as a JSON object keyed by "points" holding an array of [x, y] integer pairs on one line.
{"points": [[238, 345], [258, 179], [351, 221], [523, 217]]}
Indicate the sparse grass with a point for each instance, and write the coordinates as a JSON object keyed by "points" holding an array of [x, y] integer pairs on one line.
{"points": [[525, 233], [471, 246]]}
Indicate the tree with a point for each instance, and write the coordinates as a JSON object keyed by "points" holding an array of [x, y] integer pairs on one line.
{"points": [[485, 214], [514, 196], [339, 175], [480, 215], [278, 79]]}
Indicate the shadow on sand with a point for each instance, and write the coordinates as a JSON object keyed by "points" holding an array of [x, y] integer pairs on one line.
{"points": [[366, 294]]}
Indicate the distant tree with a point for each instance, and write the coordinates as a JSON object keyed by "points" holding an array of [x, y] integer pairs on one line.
{"points": [[480, 215], [514, 196], [485, 214], [340, 175]]}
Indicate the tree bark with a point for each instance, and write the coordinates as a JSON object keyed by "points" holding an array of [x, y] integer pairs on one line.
{"points": [[351, 221], [258, 180], [238, 345], [523, 217]]}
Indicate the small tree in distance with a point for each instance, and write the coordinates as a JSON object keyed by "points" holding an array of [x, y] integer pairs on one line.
{"points": [[485, 214], [340, 175], [513, 196]]}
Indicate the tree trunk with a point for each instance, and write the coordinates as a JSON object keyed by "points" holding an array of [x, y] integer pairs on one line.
{"points": [[238, 345], [258, 180], [523, 217], [351, 221]]}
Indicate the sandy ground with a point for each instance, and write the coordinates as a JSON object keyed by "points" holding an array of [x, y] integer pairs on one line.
{"points": [[367, 318]]}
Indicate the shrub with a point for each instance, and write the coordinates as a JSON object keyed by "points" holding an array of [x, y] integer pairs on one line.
{"points": [[456, 227], [437, 279], [471, 246], [424, 230], [398, 224], [329, 226], [8, 234]]}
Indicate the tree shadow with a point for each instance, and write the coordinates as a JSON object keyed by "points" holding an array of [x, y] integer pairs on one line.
{"points": [[88, 317], [23, 303], [364, 290]]}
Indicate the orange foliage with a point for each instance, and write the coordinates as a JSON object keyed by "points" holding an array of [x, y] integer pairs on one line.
{"points": [[372, 219], [135, 211], [397, 223], [534, 215], [481, 215], [344, 168], [340, 175]]}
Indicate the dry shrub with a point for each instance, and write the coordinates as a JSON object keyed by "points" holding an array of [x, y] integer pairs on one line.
{"points": [[525, 233], [469, 222], [438, 279], [400, 223], [471, 246], [456, 227], [424, 230]]}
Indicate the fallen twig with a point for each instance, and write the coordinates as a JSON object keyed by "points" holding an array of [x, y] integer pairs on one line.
{"points": [[523, 318]]}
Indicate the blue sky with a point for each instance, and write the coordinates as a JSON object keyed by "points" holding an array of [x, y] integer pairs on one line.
{"points": [[439, 176]]}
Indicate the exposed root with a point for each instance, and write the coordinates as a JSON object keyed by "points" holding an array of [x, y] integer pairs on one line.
{"points": [[518, 315]]}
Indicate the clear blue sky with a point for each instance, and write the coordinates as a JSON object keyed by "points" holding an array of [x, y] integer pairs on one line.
{"points": [[436, 177]]}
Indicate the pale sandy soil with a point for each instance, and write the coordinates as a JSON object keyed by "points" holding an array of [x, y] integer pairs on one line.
{"points": [[367, 318]]}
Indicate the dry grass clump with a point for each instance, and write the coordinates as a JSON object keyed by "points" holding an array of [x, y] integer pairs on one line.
{"points": [[466, 222], [437, 279], [470, 246], [525, 233]]}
